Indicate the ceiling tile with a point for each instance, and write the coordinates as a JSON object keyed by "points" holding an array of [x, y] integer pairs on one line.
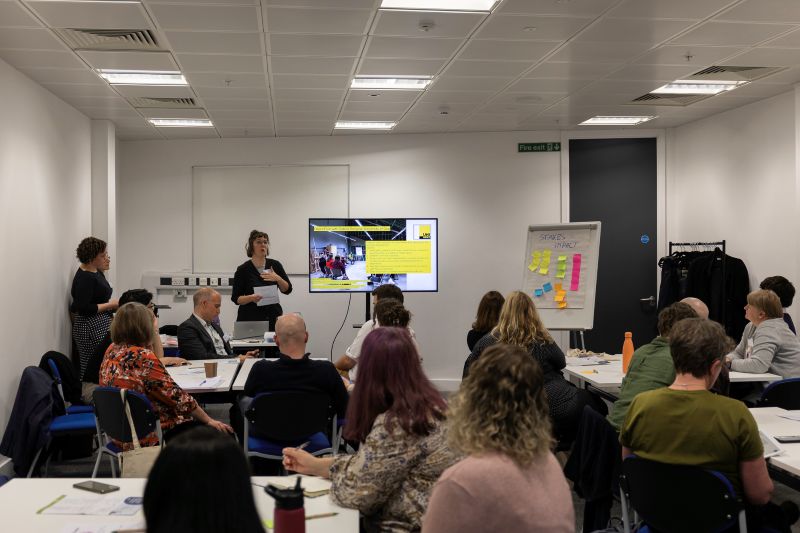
{"points": [[548, 85], [299, 94], [109, 113], [374, 107], [315, 45], [65, 90], [222, 80], [242, 123], [521, 111], [762, 89], [453, 83], [306, 115], [653, 72], [457, 97], [407, 23], [573, 70], [400, 67], [697, 57], [234, 133], [507, 50], [383, 116], [129, 60], [13, 14], [195, 2], [531, 28], [304, 124], [161, 112], [790, 76], [506, 69], [411, 47], [549, 7], [634, 30], [57, 75], [436, 110], [764, 11], [162, 91], [528, 100], [369, 95], [189, 133], [96, 101], [137, 134], [287, 106], [255, 93], [206, 42], [767, 57], [673, 9], [221, 63], [94, 15], [330, 21], [30, 38], [242, 114], [312, 65], [41, 58], [791, 40], [215, 104], [421, 126], [299, 81], [304, 132], [363, 4], [209, 18], [731, 34]]}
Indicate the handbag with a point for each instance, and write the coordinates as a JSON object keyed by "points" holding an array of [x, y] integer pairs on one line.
{"points": [[138, 461]]}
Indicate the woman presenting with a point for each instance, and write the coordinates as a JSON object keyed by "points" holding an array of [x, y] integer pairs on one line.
{"points": [[259, 271]]}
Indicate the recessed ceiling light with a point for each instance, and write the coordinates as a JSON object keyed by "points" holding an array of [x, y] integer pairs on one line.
{"points": [[142, 77], [416, 83], [181, 122], [440, 5], [363, 125], [616, 121], [698, 87]]}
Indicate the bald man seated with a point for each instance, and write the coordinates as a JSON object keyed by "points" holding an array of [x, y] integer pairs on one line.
{"points": [[199, 336], [698, 305], [294, 370]]}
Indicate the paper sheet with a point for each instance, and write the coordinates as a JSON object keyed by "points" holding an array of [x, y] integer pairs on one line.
{"points": [[103, 528], [102, 506], [269, 295]]}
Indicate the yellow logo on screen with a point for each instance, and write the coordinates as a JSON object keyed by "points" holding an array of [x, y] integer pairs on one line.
{"points": [[424, 231]]}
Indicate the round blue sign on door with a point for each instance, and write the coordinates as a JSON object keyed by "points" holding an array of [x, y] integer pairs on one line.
{"points": [[645, 238]]}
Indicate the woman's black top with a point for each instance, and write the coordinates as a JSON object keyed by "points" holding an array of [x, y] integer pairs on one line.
{"points": [[245, 279], [474, 336], [88, 290]]}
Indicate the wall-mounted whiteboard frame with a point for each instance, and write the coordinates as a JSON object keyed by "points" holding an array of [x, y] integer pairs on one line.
{"points": [[570, 318], [230, 201]]}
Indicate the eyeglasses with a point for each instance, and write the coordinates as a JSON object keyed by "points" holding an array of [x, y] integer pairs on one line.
{"points": [[261, 241]]}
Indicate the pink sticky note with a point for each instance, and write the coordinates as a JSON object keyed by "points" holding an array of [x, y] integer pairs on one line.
{"points": [[576, 272]]}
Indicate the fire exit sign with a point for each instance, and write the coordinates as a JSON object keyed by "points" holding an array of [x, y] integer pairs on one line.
{"points": [[538, 147]]}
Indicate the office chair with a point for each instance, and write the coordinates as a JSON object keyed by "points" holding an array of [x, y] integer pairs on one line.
{"points": [[784, 393]]}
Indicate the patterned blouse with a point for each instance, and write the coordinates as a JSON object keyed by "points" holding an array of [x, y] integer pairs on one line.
{"points": [[138, 369], [391, 477]]}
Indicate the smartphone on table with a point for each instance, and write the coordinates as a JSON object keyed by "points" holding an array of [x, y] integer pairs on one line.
{"points": [[96, 487]]}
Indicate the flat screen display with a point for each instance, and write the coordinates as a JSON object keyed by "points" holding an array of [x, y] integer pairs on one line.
{"points": [[360, 254]]}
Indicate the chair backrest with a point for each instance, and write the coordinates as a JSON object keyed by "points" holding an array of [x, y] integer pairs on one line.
{"points": [[54, 373], [679, 498], [169, 329], [111, 417], [784, 393], [289, 415]]}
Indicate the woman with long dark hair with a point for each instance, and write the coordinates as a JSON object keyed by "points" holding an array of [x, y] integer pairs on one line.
{"points": [[397, 416], [487, 317]]}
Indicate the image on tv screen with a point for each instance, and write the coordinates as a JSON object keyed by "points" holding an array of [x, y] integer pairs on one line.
{"points": [[359, 254]]}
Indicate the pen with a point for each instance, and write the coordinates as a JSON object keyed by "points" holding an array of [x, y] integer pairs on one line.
{"points": [[201, 383], [321, 515], [306, 443]]}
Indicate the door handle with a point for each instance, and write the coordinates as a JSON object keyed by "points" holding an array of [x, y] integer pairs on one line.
{"points": [[647, 304], [651, 300]]}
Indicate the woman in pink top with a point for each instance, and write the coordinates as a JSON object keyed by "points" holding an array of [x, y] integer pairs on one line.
{"points": [[510, 479]]}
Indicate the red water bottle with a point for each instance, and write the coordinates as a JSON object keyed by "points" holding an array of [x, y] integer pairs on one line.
{"points": [[627, 351], [290, 516]]}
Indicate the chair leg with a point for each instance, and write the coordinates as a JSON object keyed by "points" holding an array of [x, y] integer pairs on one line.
{"points": [[742, 522], [113, 460], [97, 463], [35, 460], [626, 519]]}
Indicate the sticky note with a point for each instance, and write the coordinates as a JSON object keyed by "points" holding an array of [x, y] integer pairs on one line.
{"points": [[558, 297], [538, 292], [558, 287], [543, 271], [561, 274], [536, 259], [576, 272], [562, 305], [545, 263], [547, 287], [562, 258]]}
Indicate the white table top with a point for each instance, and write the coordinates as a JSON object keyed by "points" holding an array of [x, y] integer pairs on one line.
{"points": [[609, 376], [191, 377], [773, 425], [20, 498], [247, 365], [268, 341]]}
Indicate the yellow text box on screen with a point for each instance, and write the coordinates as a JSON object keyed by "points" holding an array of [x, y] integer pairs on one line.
{"points": [[398, 257], [352, 228]]}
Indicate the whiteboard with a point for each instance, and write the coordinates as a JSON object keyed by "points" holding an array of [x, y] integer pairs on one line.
{"points": [[560, 273], [230, 201]]}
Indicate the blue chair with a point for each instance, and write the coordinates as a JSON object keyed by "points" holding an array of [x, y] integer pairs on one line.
{"points": [[276, 420], [72, 409], [784, 394], [61, 427], [111, 422], [678, 498]]}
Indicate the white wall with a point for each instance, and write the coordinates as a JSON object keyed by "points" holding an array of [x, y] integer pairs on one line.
{"points": [[733, 176], [45, 209], [484, 193]]}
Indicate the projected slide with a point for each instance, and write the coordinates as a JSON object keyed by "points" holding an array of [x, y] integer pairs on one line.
{"points": [[359, 254]]}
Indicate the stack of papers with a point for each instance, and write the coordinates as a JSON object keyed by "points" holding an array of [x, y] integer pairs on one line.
{"points": [[103, 506], [586, 361]]}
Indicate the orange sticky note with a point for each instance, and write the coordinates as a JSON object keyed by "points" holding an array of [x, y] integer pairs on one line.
{"points": [[558, 287], [559, 297], [562, 305]]}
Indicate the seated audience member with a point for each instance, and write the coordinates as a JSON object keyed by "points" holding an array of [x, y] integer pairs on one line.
{"points": [[698, 305], [651, 366], [294, 370], [487, 316], [398, 417], [767, 345], [200, 483], [131, 364], [520, 325], [686, 424], [348, 361], [510, 479], [785, 291], [199, 337], [338, 262]]}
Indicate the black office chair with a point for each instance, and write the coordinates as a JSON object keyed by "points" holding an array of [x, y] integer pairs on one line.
{"points": [[277, 420], [678, 498], [784, 394], [168, 329], [112, 423]]}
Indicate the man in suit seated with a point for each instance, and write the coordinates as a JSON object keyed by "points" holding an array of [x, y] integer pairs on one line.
{"points": [[199, 337]]}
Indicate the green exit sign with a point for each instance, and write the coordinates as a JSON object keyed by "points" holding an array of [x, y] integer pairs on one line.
{"points": [[539, 147]]}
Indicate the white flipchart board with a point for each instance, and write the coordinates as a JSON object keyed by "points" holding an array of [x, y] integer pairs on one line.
{"points": [[560, 273]]}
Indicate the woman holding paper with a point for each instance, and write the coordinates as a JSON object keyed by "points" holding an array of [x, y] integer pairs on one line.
{"points": [[257, 283]]}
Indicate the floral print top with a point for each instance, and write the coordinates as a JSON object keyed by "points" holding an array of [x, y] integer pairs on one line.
{"points": [[138, 369], [391, 477]]}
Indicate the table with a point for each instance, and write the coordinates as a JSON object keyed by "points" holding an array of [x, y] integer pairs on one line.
{"points": [[786, 466], [247, 365], [20, 498], [267, 342], [191, 377]]}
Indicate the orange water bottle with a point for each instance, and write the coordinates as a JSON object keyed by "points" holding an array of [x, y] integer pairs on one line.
{"points": [[627, 351]]}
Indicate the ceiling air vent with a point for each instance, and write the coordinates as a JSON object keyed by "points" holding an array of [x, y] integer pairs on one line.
{"points": [[731, 73], [174, 103], [669, 99], [86, 39]]}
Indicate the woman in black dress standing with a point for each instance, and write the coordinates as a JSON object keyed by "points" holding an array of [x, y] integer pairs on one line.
{"points": [[91, 299], [259, 271]]}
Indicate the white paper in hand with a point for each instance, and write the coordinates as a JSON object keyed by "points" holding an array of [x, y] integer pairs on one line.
{"points": [[269, 295]]}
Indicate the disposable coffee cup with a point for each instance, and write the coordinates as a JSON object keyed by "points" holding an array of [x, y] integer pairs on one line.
{"points": [[211, 369]]}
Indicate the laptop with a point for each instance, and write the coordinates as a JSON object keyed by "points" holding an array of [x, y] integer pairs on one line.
{"points": [[249, 330]]}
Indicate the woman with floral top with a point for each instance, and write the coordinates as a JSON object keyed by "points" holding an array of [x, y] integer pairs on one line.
{"points": [[131, 364], [398, 417]]}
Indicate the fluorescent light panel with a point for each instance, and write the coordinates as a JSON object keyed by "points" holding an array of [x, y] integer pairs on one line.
{"points": [[363, 125], [142, 77], [181, 122], [417, 83], [616, 121], [697, 87], [440, 5]]}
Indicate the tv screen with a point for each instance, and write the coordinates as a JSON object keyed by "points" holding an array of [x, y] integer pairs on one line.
{"points": [[359, 254]]}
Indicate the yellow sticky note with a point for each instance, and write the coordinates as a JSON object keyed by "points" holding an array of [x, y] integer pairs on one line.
{"points": [[532, 268], [558, 297], [536, 259], [562, 258], [543, 270], [561, 274], [562, 305]]}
